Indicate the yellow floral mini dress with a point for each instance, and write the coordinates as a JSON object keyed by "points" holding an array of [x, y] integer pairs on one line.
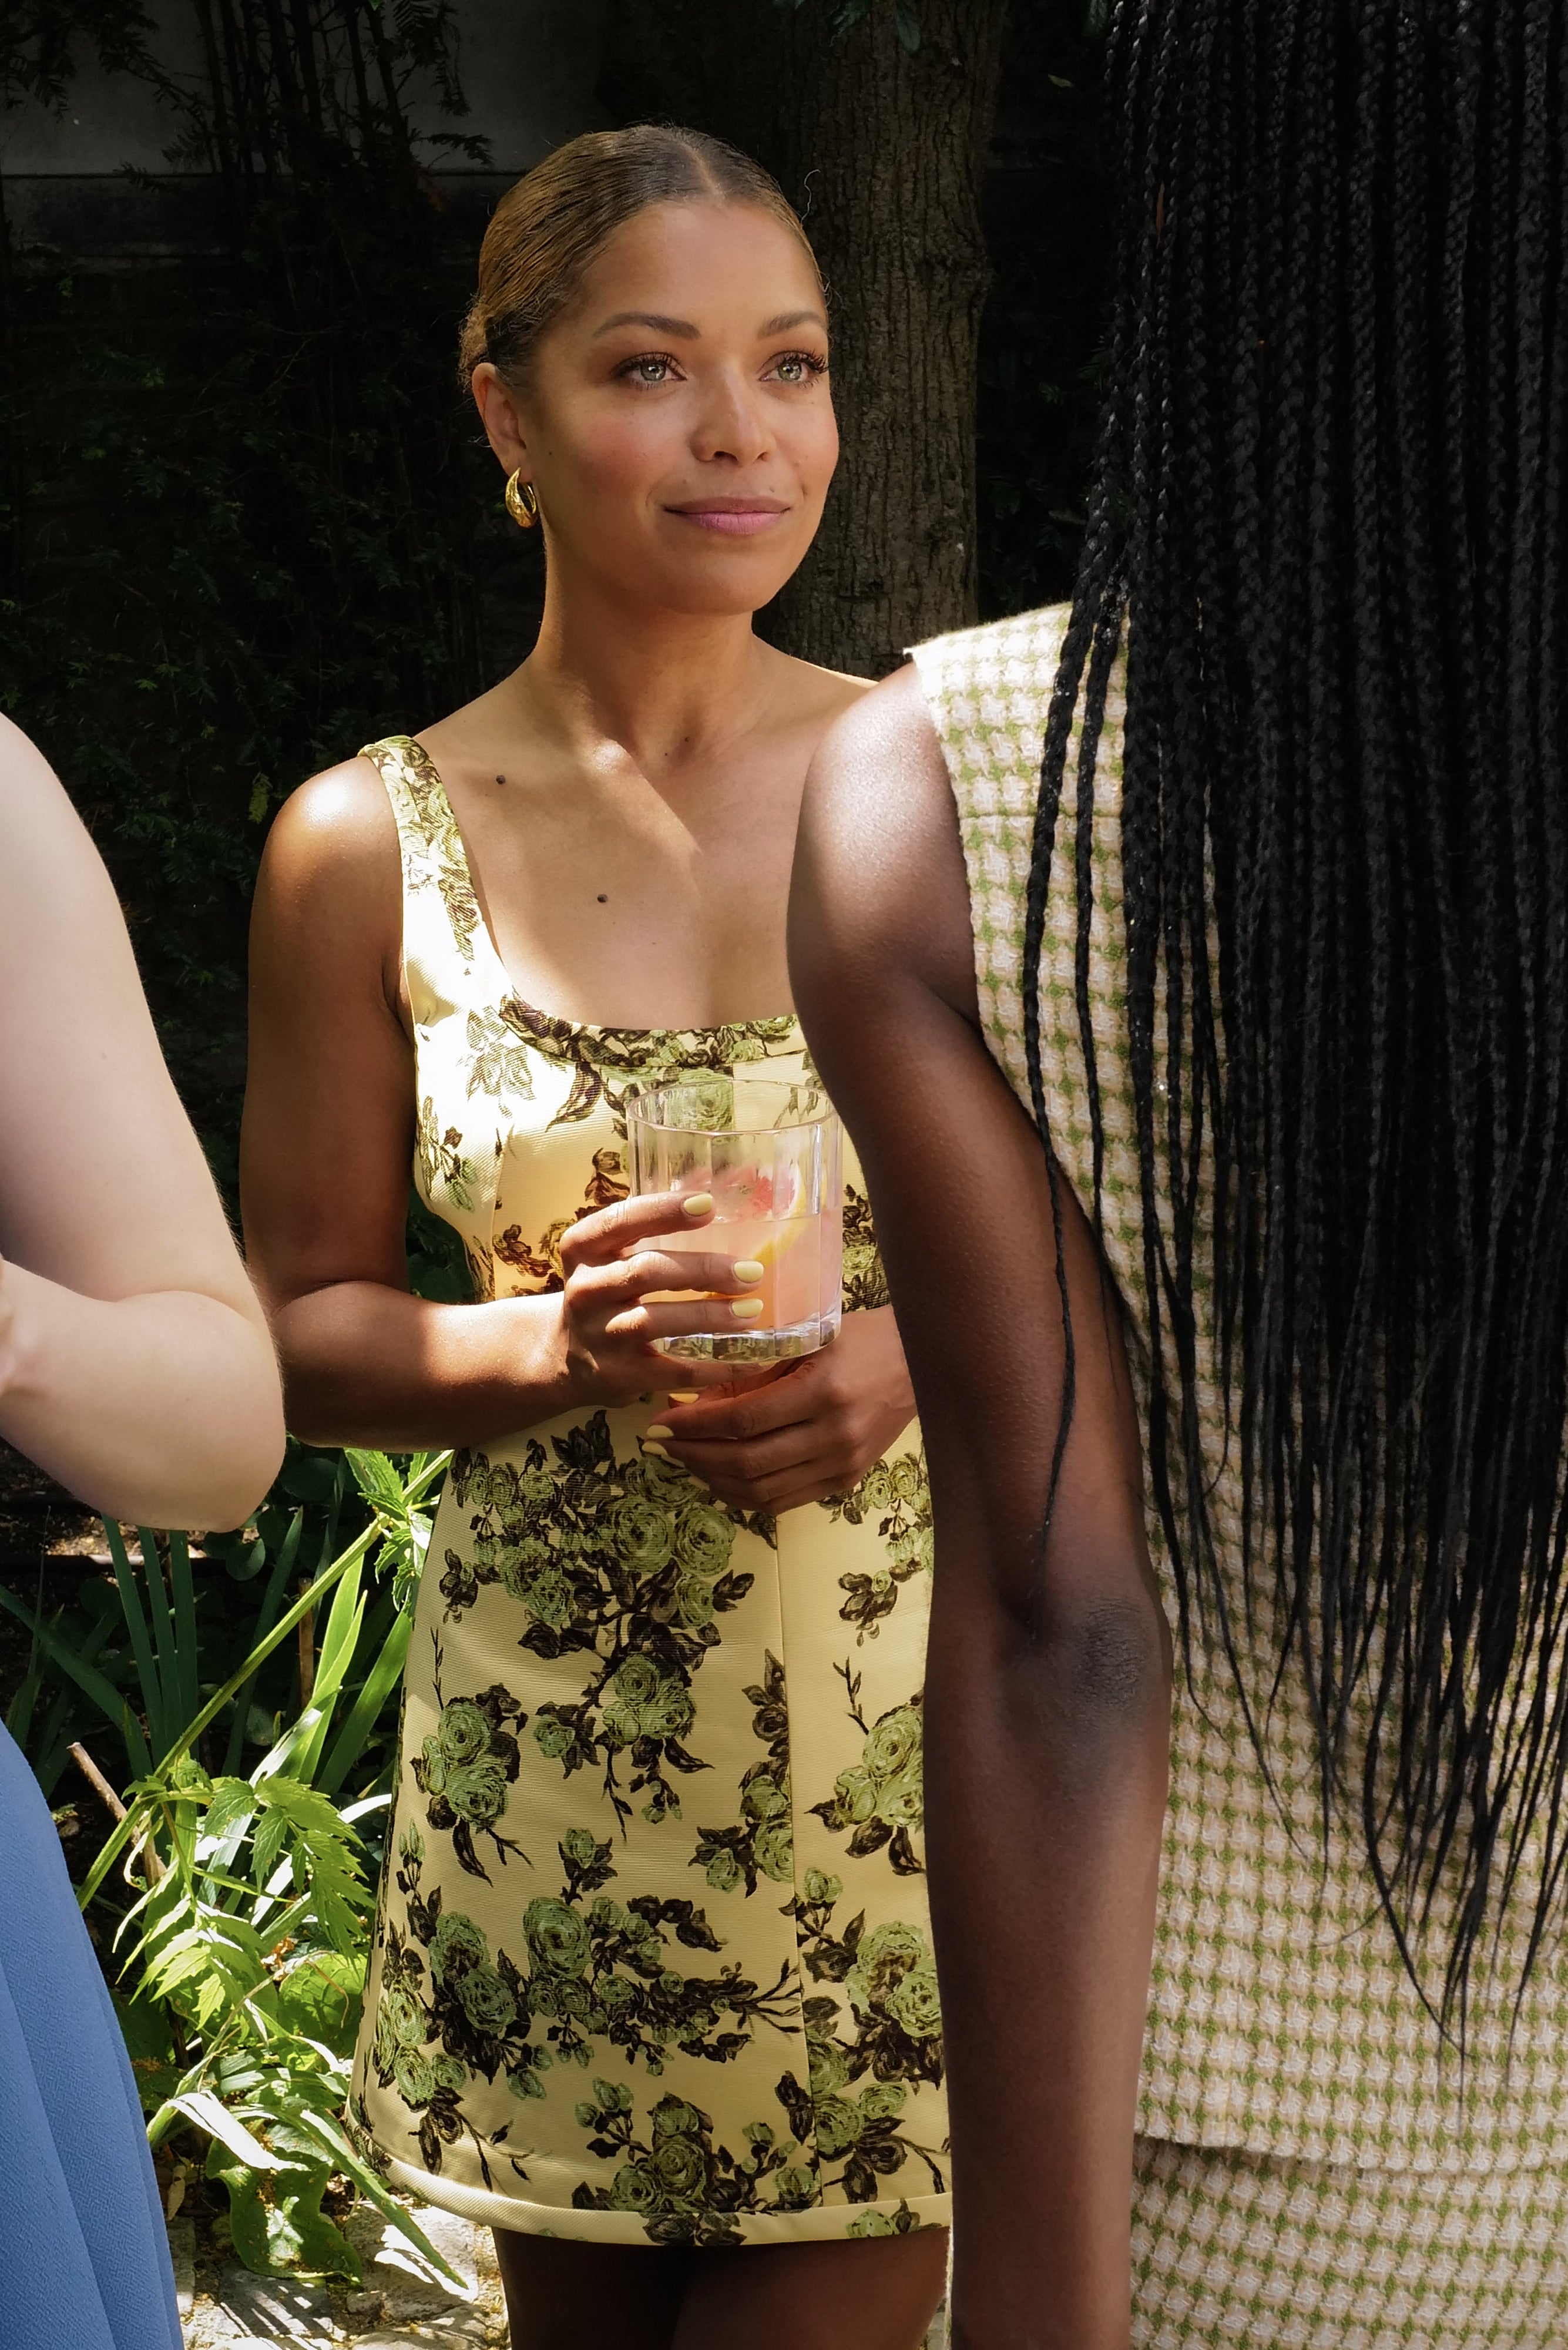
{"points": [[653, 1960]]}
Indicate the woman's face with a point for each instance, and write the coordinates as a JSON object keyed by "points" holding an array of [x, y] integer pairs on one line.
{"points": [[677, 425]]}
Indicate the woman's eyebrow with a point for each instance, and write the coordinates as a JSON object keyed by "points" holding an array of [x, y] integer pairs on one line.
{"points": [[682, 327], [788, 319]]}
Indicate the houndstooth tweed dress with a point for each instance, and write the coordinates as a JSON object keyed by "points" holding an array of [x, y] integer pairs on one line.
{"points": [[1314, 2171]]}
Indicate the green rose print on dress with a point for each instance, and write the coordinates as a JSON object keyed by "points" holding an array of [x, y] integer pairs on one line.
{"points": [[879, 1800], [762, 1842], [625, 1561], [588, 1968], [901, 2222], [684, 2187], [898, 1493], [612, 1648], [455, 1996], [498, 1064], [889, 1981], [467, 1767]]}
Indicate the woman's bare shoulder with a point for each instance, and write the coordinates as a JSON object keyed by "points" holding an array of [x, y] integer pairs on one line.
{"points": [[813, 695], [330, 885], [337, 819]]}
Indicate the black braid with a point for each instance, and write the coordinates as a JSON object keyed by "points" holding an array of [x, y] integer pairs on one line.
{"points": [[1327, 524]]}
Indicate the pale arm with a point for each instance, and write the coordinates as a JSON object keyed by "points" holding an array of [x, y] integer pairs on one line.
{"points": [[1047, 1694], [134, 1363]]}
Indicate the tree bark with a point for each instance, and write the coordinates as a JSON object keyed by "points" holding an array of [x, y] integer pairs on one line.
{"points": [[882, 152]]}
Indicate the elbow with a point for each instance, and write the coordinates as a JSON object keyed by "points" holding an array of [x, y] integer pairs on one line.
{"points": [[242, 1483], [1111, 1657], [222, 1479], [1090, 1653], [1086, 1694], [211, 1481]]}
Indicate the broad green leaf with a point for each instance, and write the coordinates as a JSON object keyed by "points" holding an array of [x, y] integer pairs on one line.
{"points": [[279, 2226], [309, 1475], [347, 2159], [267, 1845], [211, 2113], [150, 2044], [320, 1998], [380, 1682], [232, 1805]]}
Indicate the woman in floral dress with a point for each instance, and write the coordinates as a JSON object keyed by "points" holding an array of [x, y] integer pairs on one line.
{"points": [[652, 1968]]}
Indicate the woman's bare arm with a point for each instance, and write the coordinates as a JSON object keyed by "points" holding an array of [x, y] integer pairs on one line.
{"points": [[324, 1157], [1047, 1694], [134, 1362]]}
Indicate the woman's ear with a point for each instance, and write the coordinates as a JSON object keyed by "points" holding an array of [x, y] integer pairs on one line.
{"points": [[499, 415]]}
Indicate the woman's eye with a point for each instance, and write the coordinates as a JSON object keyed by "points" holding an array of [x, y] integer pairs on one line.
{"points": [[799, 367], [651, 368]]}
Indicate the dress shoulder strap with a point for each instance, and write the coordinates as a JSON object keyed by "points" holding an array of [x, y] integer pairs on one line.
{"points": [[441, 910]]}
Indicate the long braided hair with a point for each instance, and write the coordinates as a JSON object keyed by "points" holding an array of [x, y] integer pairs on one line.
{"points": [[1329, 521]]}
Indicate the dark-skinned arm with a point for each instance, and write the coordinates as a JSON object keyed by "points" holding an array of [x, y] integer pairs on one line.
{"points": [[1048, 1681]]}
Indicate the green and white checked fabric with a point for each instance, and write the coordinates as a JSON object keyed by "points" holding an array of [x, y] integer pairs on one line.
{"points": [[1282, 2020], [1242, 2250]]}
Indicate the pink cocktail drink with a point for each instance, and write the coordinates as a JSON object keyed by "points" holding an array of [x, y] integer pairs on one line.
{"points": [[778, 1201]]}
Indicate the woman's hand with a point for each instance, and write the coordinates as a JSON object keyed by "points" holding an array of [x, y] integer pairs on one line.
{"points": [[611, 1325], [810, 1429]]}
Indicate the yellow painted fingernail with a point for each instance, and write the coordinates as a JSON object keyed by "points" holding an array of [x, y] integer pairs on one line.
{"points": [[685, 1395], [746, 1268], [747, 1309], [658, 1449], [657, 1429], [696, 1203]]}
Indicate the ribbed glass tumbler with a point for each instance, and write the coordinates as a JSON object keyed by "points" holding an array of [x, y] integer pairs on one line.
{"points": [[772, 1156]]}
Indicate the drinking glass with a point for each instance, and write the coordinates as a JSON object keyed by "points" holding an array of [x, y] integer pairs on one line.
{"points": [[770, 1154]]}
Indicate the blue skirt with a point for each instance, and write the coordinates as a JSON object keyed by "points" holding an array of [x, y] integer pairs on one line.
{"points": [[84, 2257]]}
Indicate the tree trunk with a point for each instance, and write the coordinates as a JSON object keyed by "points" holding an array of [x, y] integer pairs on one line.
{"points": [[882, 152]]}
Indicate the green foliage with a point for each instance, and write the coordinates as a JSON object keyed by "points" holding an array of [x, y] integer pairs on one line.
{"points": [[43, 39], [244, 1942], [245, 1947]]}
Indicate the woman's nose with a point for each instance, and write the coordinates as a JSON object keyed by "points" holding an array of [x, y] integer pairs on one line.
{"points": [[733, 423]]}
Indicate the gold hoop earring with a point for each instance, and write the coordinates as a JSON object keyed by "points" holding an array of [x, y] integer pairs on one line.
{"points": [[522, 502]]}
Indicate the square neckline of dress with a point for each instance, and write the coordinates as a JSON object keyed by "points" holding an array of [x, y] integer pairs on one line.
{"points": [[511, 993]]}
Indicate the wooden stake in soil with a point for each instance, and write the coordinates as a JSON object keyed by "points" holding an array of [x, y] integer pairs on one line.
{"points": [[91, 1772]]}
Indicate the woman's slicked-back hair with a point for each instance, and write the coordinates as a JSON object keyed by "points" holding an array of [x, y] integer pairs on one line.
{"points": [[1330, 517], [547, 230]]}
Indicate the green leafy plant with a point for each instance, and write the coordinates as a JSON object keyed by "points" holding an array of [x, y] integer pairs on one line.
{"points": [[250, 1934], [244, 1946]]}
